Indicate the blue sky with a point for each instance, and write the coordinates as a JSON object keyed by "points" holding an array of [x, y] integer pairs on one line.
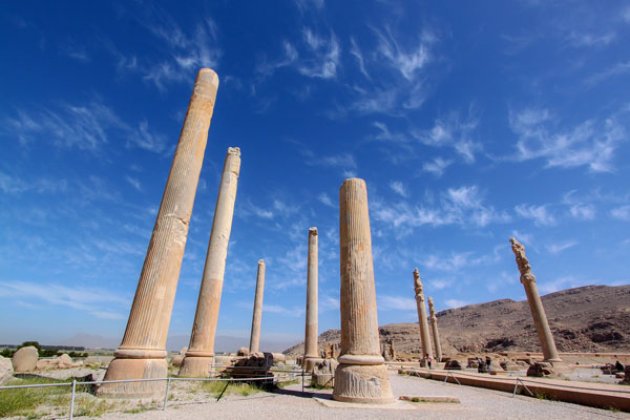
{"points": [[470, 123]]}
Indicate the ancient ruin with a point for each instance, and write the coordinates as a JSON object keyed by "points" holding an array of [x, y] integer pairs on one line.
{"points": [[254, 341], [311, 353], [361, 375], [435, 332], [199, 357], [535, 303], [142, 353], [425, 343]]}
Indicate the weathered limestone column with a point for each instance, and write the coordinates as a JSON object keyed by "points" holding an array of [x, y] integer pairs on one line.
{"points": [[436, 333], [361, 375], [427, 353], [535, 303], [254, 341], [311, 351], [200, 354], [142, 353]]}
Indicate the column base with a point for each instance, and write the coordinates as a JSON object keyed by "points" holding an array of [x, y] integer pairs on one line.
{"points": [[197, 367], [362, 383], [121, 369], [309, 363]]}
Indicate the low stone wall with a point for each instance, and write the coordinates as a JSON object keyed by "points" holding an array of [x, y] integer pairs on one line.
{"points": [[593, 395]]}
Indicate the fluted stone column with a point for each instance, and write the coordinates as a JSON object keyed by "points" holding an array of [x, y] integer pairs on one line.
{"points": [[200, 354], [254, 341], [425, 342], [361, 375], [142, 353], [528, 279], [311, 351], [436, 333]]}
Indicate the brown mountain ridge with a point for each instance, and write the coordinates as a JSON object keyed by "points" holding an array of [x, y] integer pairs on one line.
{"points": [[584, 319]]}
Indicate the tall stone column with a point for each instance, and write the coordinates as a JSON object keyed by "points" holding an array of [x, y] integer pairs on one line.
{"points": [[254, 341], [198, 359], [311, 351], [361, 375], [142, 353], [535, 303], [436, 333], [425, 343]]}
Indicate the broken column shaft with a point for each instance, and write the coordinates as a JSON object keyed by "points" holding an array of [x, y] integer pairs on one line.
{"points": [[200, 354], [361, 375], [142, 353]]}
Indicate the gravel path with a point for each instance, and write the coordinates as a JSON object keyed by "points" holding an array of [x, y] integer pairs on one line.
{"points": [[476, 403]]}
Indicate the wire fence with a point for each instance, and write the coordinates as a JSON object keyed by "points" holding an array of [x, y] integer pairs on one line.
{"points": [[55, 394]]}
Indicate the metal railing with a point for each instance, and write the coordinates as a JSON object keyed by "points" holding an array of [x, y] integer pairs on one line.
{"points": [[290, 374]]}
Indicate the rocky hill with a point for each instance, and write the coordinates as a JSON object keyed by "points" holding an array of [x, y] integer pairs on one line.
{"points": [[585, 319]]}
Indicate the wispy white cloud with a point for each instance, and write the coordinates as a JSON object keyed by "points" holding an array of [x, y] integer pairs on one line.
{"points": [[408, 62], [355, 51], [556, 248], [585, 39], [583, 211], [539, 214], [85, 127], [323, 60], [326, 200], [134, 182], [186, 53], [75, 51], [306, 5], [458, 206], [396, 303], [10, 184], [294, 311], [455, 303], [526, 238], [399, 188], [96, 302], [437, 166], [591, 143], [621, 213], [617, 69]]}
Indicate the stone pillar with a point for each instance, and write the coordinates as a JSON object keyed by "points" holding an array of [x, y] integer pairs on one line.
{"points": [[436, 333], [535, 303], [142, 353], [361, 375], [254, 341], [200, 354], [425, 343], [311, 351]]}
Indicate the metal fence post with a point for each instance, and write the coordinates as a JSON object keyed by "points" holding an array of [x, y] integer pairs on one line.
{"points": [[74, 388], [168, 385]]}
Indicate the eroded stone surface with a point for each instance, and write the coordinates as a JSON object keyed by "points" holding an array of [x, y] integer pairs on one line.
{"points": [[361, 375], [311, 327], [198, 360], [6, 369], [425, 342], [142, 353], [435, 332], [535, 303], [25, 359], [254, 341]]}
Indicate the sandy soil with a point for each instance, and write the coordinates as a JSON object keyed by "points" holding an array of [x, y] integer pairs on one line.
{"points": [[290, 403]]}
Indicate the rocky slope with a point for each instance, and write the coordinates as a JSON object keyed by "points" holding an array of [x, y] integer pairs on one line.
{"points": [[585, 319]]}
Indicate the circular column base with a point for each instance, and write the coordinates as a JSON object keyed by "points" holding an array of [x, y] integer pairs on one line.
{"points": [[196, 367], [122, 369], [365, 383]]}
